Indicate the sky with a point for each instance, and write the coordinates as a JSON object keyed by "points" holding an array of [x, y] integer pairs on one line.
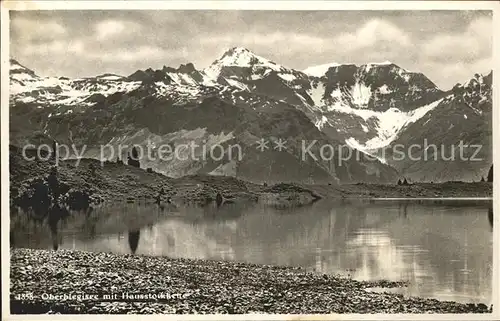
{"points": [[447, 46]]}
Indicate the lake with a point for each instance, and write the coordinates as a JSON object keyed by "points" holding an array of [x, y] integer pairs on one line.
{"points": [[443, 248]]}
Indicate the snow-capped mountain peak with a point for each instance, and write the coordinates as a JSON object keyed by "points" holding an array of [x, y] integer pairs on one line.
{"points": [[319, 70], [477, 79], [109, 76], [28, 87], [15, 66], [21, 77], [239, 57], [383, 63], [242, 57], [20, 72], [184, 75], [475, 92]]}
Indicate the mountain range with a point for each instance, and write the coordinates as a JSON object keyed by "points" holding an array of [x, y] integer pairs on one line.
{"points": [[242, 98]]}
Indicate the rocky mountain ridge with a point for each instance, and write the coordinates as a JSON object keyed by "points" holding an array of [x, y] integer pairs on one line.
{"points": [[241, 98]]}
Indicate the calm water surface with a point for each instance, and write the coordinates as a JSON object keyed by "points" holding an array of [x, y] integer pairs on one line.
{"points": [[444, 248]]}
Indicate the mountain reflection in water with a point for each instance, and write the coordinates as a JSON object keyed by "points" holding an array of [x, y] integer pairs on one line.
{"points": [[133, 240], [444, 248]]}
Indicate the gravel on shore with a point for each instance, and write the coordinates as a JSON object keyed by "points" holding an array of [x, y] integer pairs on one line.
{"points": [[76, 282]]}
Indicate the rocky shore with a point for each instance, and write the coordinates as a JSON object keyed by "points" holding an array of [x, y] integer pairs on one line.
{"points": [[413, 190], [76, 282]]}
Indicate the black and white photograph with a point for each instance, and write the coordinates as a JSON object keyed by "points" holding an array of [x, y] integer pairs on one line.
{"points": [[249, 159]]}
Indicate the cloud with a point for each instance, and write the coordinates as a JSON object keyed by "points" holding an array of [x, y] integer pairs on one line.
{"points": [[455, 72], [107, 29], [53, 47], [449, 58], [473, 44], [375, 40], [280, 41], [258, 38], [374, 32], [26, 30], [108, 41], [280, 47], [444, 45], [131, 55]]}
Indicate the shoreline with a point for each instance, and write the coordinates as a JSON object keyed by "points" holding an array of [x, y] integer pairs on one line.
{"points": [[200, 286], [92, 183]]}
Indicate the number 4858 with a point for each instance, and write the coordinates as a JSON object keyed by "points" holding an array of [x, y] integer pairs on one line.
{"points": [[24, 296]]}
